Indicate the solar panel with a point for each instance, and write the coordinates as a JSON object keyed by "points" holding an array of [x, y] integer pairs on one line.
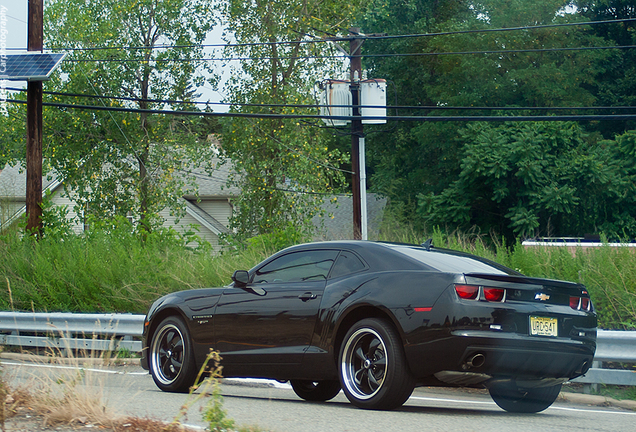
{"points": [[30, 67]]}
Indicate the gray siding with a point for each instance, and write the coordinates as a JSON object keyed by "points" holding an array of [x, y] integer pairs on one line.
{"points": [[183, 225], [220, 210]]}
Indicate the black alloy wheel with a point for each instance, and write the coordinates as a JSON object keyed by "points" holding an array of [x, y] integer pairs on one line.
{"points": [[316, 391], [372, 365], [523, 400], [171, 359]]}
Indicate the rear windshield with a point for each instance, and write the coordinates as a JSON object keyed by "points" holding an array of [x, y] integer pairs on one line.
{"points": [[450, 263]]}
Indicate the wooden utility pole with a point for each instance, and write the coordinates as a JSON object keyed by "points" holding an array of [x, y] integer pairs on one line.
{"points": [[355, 46], [35, 42]]}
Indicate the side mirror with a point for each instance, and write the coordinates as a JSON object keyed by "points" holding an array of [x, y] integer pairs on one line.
{"points": [[241, 278]]}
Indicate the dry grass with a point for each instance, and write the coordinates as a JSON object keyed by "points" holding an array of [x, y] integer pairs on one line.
{"points": [[64, 399], [15, 399], [81, 409], [136, 424], [76, 407], [61, 398]]}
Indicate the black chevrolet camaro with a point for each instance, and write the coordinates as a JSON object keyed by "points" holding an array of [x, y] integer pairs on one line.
{"points": [[376, 320]]}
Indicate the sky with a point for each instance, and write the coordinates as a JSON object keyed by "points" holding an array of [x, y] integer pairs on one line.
{"points": [[16, 24], [16, 37]]}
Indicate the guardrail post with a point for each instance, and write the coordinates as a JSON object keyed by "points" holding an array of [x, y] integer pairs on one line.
{"points": [[592, 388]]}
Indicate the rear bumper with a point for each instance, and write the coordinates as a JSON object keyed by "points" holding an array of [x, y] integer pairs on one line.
{"points": [[503, 355]]}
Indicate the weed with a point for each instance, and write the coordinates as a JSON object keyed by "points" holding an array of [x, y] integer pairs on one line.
{"points": [[75, 397], [213, 413]]}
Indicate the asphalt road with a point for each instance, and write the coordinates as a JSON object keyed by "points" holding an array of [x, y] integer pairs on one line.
{"points": [[273, 406]]}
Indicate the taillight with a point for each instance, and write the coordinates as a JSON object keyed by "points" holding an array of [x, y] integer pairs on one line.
{"points": [[575, 302], [494, 294], [471, 292], [585, 303], [467, 292], [580, 303]]}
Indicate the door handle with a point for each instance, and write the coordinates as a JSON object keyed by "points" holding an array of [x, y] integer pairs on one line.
{"points": [[307, 296]]}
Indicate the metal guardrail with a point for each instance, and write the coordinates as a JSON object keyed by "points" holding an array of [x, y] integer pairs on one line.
{"points": [[109, 332], [612, 346], [100, 332], [616, 346]]}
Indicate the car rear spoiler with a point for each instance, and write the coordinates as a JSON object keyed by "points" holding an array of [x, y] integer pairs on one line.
{"points": [[523, 280]]}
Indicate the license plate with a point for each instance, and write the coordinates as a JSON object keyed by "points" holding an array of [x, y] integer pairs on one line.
{"points": [[543, 326]]}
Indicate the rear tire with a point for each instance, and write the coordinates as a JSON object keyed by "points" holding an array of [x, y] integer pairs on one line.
{"points": [[316, 391], [532, 400], [372, 365]]}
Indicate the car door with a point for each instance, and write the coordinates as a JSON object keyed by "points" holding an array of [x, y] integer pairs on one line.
{"points": [[272, 319]]}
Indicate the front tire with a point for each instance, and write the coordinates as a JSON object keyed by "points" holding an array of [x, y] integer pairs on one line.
{"points": [[531, 400], [316, 391], [171, 358], [372, 365]]}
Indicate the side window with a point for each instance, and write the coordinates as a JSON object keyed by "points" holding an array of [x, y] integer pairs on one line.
{"points": [[347, 263], [297, 267]]}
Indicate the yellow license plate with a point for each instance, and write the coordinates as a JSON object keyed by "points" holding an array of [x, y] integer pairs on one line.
{"points": [[543, 326]]}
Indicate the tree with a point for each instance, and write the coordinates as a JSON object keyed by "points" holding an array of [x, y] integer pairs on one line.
{"points": [[410, 157], [491, 69], [547, 178], [12, 140], [142, 50], [283, 166], [616, 80]]}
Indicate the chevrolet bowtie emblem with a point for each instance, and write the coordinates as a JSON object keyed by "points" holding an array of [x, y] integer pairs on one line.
{"points": [[541, 296]]}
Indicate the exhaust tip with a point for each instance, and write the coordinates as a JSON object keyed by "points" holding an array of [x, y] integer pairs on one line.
{"points": [[585, 366], [475, 361]]}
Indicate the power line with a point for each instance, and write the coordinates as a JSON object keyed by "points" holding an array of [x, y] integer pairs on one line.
{"points": [[17, 19], [317, 106], [170, 101], [202, 176], [206, 59], [340, 38], [505, 29], [343, 57], [535, 50], [123, 98], [218, 180], [592, 117]]}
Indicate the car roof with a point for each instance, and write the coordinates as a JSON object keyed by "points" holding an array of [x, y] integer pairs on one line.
{"points": [[403, 256]]}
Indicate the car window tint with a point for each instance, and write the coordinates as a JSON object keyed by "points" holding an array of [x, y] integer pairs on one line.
{"points": [[346, 263], [450, 263], [297, 267]]}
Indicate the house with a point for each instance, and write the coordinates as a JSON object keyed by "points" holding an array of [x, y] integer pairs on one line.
{"points": [[211, 210], [337, 220]]}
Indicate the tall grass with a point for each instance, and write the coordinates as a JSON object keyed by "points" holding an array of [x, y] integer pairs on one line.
{"points": [[115, 271], [106, 271], [608, 272]]}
